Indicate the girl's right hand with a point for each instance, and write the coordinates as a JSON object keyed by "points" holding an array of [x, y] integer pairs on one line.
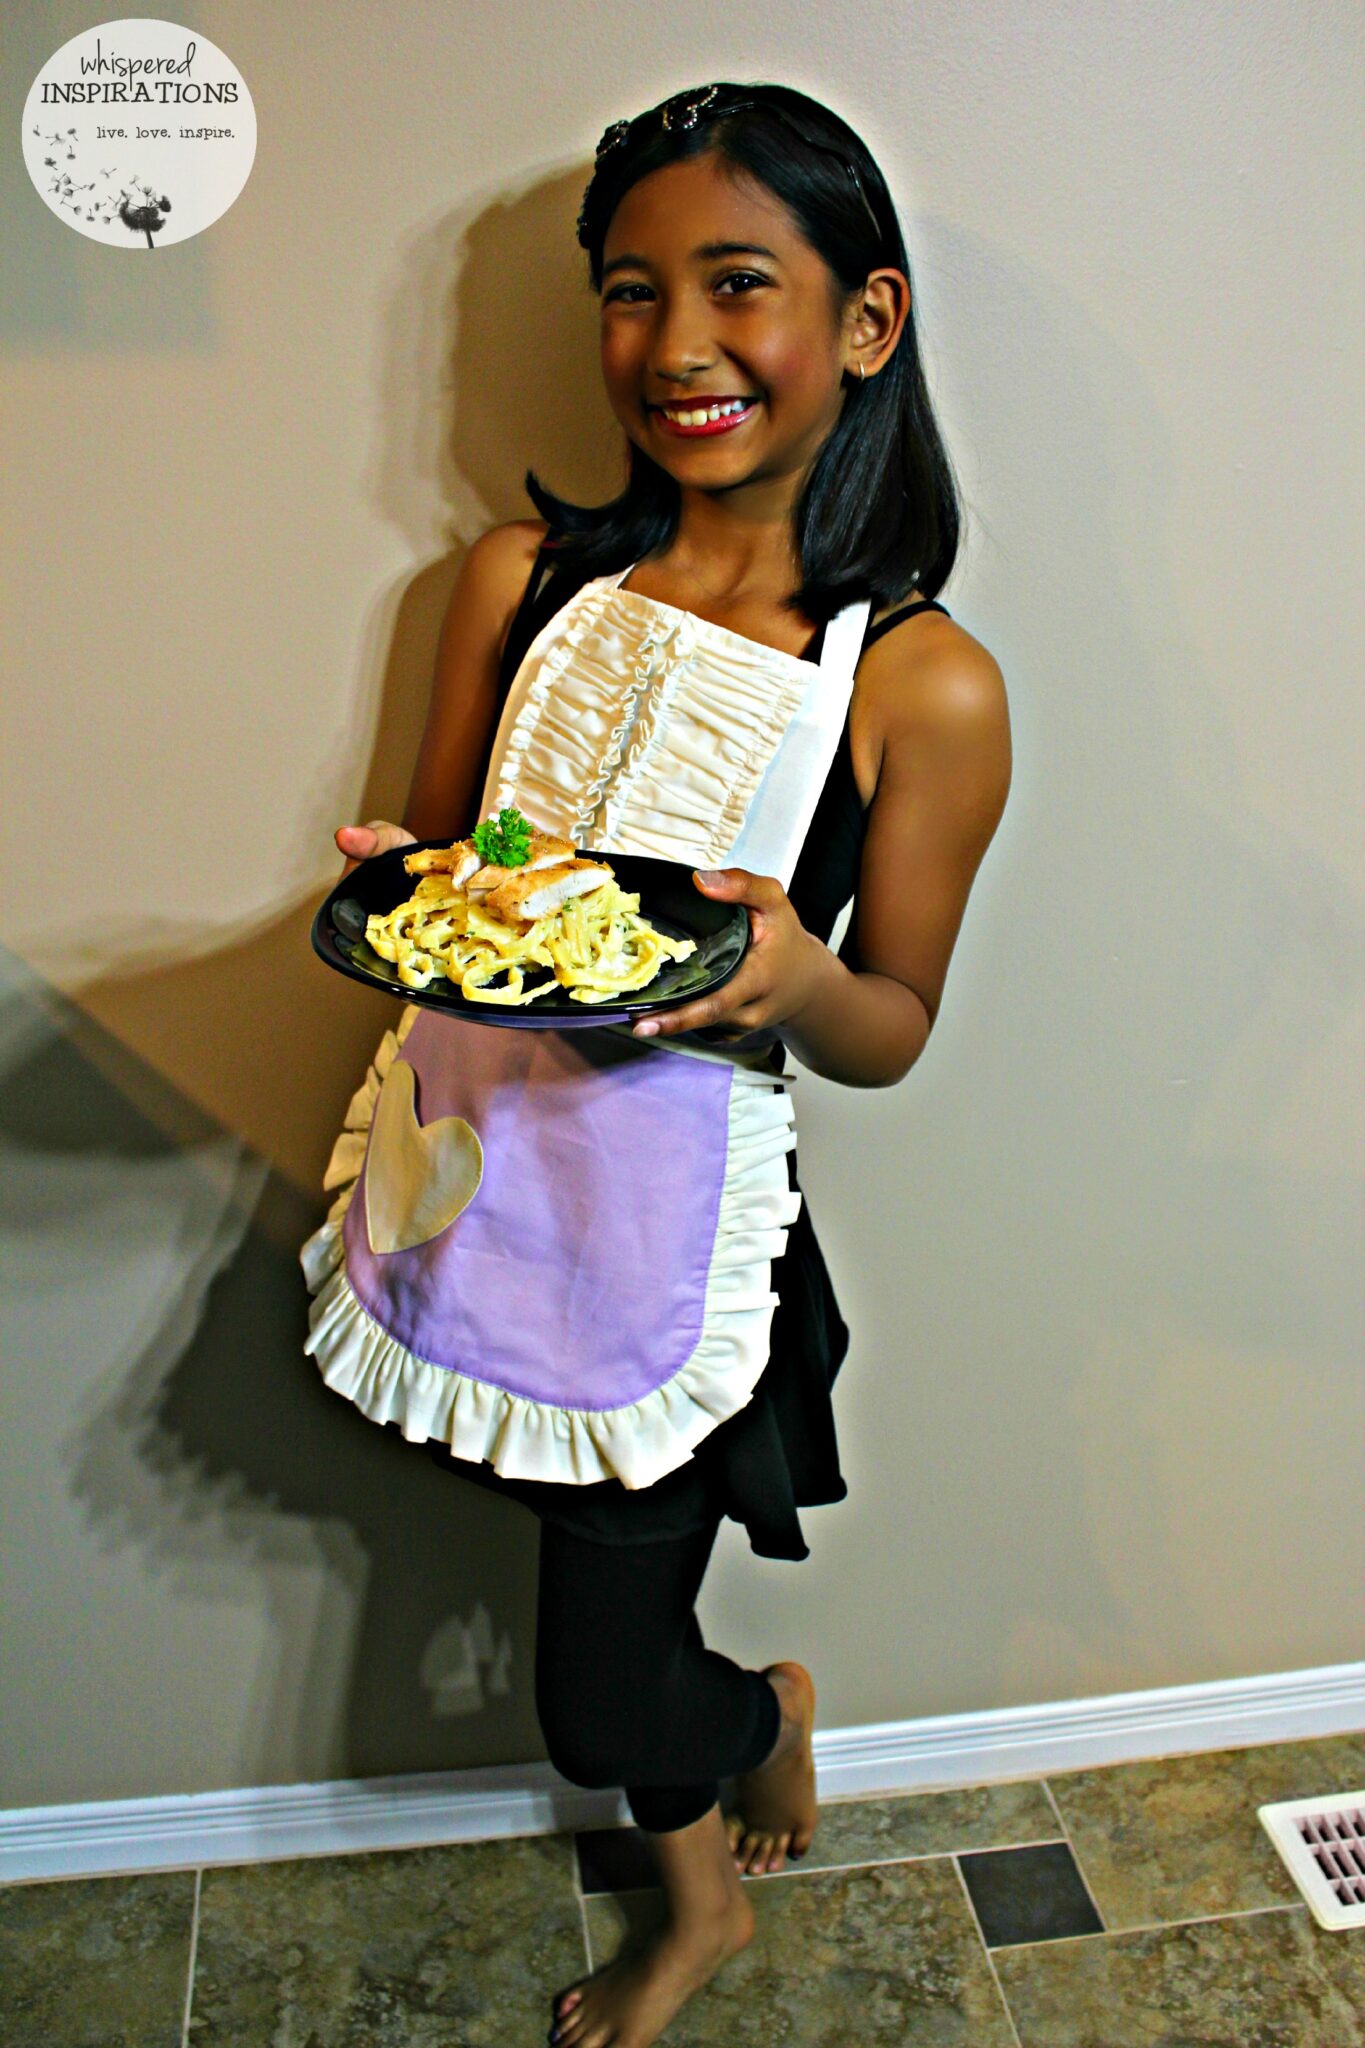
{"points": [[363, 842]]}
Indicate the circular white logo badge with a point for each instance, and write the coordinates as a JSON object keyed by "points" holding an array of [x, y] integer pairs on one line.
{"points": [[139, 133]]}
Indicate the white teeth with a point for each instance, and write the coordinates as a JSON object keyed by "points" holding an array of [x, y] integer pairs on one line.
{"points": [[698, 417]]}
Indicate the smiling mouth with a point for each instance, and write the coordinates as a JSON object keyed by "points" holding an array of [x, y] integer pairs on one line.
{"points": [[720, 416]]}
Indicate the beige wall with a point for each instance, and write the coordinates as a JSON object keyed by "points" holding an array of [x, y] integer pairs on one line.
{"points": [[1099, 1249]]}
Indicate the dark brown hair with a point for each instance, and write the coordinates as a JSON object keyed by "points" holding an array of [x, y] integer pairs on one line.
{"points": [[879, 514]]}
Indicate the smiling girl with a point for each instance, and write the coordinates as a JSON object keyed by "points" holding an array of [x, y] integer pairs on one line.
{"points": [[739, 663]]}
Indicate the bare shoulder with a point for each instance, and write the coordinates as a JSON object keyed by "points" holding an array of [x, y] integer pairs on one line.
{"points": [[937, 703], [491, 583], [933, 668], [500, 560]]}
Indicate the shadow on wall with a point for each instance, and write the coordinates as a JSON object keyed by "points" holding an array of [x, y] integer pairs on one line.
{"points": [[488, 365], [191, 1427], [165, 1128], [1122, 1224]]}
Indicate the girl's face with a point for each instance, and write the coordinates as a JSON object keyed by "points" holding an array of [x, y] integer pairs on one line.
{"points": [[685, 321]]}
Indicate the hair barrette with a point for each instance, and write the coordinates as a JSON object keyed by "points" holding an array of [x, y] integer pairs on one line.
{"points": [[612, 137], [686, 109]]}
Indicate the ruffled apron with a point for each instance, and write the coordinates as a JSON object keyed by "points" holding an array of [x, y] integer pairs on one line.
{"points": [[552, 1250]]}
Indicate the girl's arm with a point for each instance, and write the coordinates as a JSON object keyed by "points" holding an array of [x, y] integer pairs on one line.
{"points": [[464, 695], [482, 604], [938, 698], [941, 790]]}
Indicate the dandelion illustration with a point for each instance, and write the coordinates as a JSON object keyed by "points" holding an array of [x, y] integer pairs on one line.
{"points": [[145, 217], [138, 205]]}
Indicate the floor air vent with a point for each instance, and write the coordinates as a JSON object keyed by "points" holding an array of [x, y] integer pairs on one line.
{"points": [[1322, 1845]]}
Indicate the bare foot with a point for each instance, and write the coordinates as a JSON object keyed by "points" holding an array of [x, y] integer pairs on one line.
{"points": [[630, 2000], [777, 1803]]}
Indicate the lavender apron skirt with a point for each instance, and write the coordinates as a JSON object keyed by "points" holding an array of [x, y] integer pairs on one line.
{"points": [[552, 1250]]}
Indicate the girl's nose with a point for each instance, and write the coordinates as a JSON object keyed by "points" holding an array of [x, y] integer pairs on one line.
{"points": [[677, 371], [682, 348]]}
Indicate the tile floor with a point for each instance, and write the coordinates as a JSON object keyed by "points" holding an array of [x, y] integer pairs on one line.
{"points": [[1137, 1906]]}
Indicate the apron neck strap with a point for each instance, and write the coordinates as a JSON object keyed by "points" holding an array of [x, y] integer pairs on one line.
{"points": [[843, 641], [844, 636]]}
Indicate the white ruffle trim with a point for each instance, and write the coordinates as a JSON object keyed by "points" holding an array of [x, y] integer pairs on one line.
{"points": [[525, 1439], [618, 697]]}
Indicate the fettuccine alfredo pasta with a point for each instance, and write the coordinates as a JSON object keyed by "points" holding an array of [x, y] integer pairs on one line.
{"points": [[513, 898]]}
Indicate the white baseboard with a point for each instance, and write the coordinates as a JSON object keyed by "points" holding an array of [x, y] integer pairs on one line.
{"points": [[258, 1824]]}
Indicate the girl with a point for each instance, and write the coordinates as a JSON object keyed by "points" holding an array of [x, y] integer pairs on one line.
{"points": [[740, 663]]}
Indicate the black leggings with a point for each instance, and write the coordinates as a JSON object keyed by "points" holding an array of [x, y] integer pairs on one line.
{"points": [[626, 1691]]}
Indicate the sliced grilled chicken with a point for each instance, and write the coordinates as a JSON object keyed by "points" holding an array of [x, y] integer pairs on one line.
{"points": [[523, 897], [547, 851], [458, 861], [483, 878]]}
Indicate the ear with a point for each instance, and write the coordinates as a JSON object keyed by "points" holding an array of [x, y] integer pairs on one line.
{"points": [[878, 322]]}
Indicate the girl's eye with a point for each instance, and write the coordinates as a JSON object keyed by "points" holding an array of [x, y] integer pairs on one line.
{"points": [[619, 291]]}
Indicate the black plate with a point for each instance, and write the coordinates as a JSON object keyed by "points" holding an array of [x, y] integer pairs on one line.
{"points": [[669, 898]]}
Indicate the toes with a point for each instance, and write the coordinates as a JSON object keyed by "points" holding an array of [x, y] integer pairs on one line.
{"points": [[757, 1855], [566, 2029]]}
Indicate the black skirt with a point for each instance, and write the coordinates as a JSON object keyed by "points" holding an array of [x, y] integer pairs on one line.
{"points": [[777, 1454]]}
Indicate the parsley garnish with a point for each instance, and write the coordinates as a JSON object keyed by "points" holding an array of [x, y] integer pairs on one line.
{"points": [[504, 841]]}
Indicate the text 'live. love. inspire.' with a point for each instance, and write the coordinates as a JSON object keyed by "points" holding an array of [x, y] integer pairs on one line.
{"points": [[161, 134]]}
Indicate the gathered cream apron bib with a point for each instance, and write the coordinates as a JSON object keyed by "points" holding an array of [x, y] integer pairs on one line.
{"points": [[552, 1250]]}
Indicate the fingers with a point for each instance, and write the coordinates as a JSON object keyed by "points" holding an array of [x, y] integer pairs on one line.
{"points": [[363, 842], [746, 1014], [740, 1003], [357, 842], [739, 885]]}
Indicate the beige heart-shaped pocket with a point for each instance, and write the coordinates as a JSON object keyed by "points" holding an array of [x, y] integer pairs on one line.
{"points": [[417, 1177]]}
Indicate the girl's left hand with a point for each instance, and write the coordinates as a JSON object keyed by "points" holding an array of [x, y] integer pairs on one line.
{"points": [[777, 976]]}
